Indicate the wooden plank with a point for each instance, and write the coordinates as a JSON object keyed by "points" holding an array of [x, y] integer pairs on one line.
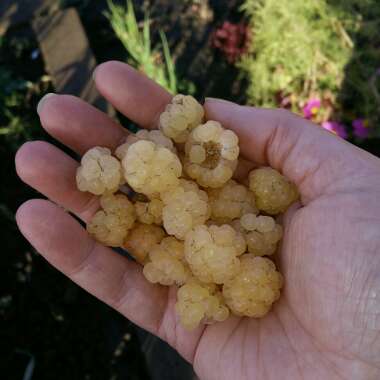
{"points": [[68, 56]]}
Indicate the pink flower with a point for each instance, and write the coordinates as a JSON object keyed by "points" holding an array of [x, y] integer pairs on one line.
{"points": [[335, 127], [361, 129], [311, 108]]}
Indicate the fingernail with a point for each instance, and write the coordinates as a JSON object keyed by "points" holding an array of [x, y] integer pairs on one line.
{"points": [[42, 101]]}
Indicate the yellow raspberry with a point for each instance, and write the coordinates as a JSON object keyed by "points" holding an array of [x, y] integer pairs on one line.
{"points": [[99, 172], [212, 252], [151, 169], [110, 225], [274, 193], [166, 265], [262, 234], [154, 136], [180, 116], [253, 290], [230, 202], [142, 239], [197, 303], [186, 206], [149, 212], [211, 154]]}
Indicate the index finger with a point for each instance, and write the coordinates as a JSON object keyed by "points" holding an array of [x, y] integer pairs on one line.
{"points": [[131, 92]]}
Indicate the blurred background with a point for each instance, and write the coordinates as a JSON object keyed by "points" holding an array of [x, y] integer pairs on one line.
{"points": [[318, 58]]}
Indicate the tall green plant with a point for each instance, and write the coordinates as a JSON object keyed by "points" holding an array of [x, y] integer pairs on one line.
{"points": [[137, 41]]}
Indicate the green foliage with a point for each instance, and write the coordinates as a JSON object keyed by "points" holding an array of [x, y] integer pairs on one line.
{"points": [[297, 47], [137, 42], [18, 117], [323, 48], [360, 93], [11, 96]]}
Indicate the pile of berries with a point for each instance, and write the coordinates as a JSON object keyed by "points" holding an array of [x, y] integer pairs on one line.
{"points": [[167, 196]]}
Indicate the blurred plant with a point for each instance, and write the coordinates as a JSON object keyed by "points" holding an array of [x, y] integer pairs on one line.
{"points": [[305, 52], [137, 41], [360, 128], [296, 48], [18, 119], [232, 40]]}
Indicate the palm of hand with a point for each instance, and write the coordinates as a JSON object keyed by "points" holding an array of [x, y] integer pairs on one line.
{"points": [[322, 327], [326, 324]]}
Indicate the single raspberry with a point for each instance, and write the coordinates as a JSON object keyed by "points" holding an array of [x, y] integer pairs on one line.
{"points": [[212, 252], [253, 290], [197, 303], [230, 202], [166, 265], [99, 172], [154, 136], [110, 225], [141, 240], [211, 154], [274, 193], [186, 206], [150, 168], [180, 116], [262, 234], [149, 212]]}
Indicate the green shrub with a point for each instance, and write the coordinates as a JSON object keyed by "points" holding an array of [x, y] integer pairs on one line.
{"points": [[315, 48]]}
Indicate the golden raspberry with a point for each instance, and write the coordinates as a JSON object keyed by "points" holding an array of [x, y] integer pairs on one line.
{"points": [[166, 265], [253, 290], [151, 169], [262, 234], [149, 212], [212, 252], [141, 240], [99, 172], [230, 202], [274, 193], [186, 206], [154, 136], [211, 154], [110, 225], [180, 116], [197, 303]]}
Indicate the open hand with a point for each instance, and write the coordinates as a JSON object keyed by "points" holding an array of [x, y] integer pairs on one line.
{"points": [[326, 325]]}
